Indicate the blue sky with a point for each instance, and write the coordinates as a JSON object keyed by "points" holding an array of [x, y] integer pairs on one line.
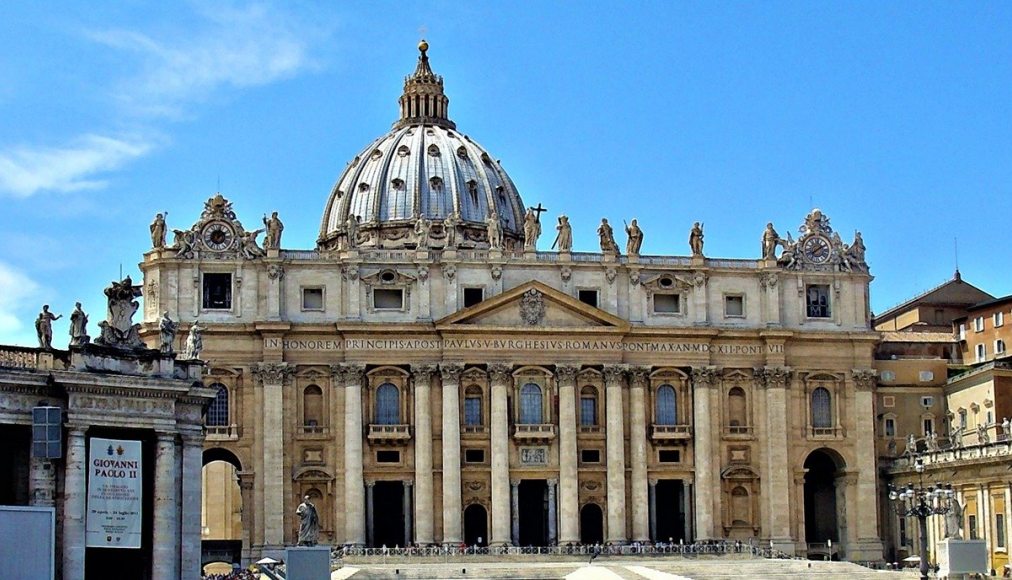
{"points": [[893, 118]]}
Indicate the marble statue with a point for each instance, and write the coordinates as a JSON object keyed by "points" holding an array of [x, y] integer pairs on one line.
{"points": [[911, 444], [532, 230], [607, 237], [78, 326], [118, 329], [194, 342], [956, 438], [982, 436], [564, 241], [309, 523], [166, 333], [635, 238], [248, 245], [351, 231], [696, 240], [274, 227], [494, 231], [932, 442], [770, 240], [450, 229], [891, 447], [184, 242], [1005, 426], [954, 520], [158, 231], [855, 251], [422, 232], [44, 327]]}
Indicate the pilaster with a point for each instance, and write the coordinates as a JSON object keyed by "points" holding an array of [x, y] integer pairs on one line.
{"points": [[773, 380], [355, 503], [165, 538], [422, 376], [569, 484], [452, 503], [615, 379], [273, 377], [638, 453], [702, 385], [500, 378]]}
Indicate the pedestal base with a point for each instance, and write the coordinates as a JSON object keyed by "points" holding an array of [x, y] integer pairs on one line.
{"points": [[961, 557], [307, 563]]}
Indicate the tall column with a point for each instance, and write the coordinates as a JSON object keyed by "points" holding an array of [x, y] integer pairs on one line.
{"points": [[41, 482], [653, 510], [407, 515], [515, 512], [452, 504], [702, 432], [870, 544], [369, 524], [801, 542], [500, 376], [552, 513], [273, 377], [776, 487], [638, 453], [354, 493], [569, 484], [247, 480], [614, 380], [165, 539], [74, 494], [689, 508], [423, 454], [193, 451]]}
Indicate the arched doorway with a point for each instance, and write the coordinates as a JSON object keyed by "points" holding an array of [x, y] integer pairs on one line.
{"points": [[823, 500], [591, 524], [476, 525], [221, 523]]}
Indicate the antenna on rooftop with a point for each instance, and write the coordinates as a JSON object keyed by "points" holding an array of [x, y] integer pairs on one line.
{"points": [[955, 251], [120, 270]]}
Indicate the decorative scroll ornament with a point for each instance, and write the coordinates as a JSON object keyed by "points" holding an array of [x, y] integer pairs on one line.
{"points": [[532, 307], [821, 249]]}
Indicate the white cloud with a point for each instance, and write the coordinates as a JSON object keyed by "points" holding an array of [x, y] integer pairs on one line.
{"points": [[79, 165], [17, 291]]}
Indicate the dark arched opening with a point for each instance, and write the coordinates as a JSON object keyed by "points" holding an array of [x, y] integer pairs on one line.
{"points": [[591, 524], [476, 525], [821, 497]]}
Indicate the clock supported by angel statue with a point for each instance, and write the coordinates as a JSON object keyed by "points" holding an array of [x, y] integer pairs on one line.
{"points": [[818, 247], [219, 234]]}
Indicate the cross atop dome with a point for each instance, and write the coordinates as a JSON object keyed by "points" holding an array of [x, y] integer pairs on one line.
{"points": [[423, 101]]}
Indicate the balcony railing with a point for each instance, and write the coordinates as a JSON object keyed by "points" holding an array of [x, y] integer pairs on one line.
{"points": [[741, 430], [670, 432], [534, 432], [389, 434], [222, 432], [473, 429], [825, 432], [590, 428]]}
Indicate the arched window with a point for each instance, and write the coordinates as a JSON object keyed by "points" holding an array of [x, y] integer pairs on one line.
{"points": [[388, 405], [312, 407], [530, 404], [588, 406], [822, 410], [666, 410], [472, 406], [737, 415], [217, 413]]}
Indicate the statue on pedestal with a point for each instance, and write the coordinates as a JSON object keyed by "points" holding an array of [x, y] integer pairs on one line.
{"points": [[274, 227], [78, 326], [194, 342], [118, 329], [607, 237], [450, 230], [44, 327], [309, 523], [166, 333], [532, 230], [351, 231], [564, 241], [954, 521], [158, 231], [770, 240], [635, 241], [696, 240], [494, 231], [422, 233]]}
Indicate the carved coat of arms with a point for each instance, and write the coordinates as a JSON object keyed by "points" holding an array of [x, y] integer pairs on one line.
{"points": [[532, 307]]}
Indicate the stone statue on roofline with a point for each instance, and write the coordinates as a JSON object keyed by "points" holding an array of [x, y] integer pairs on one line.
{"points": [[532, 230], [450, 229], [494, 229], [166, 333], [158, 231], [564, 241], [78, 326], [635, 238], [273, 227], [770, 241], [118, 329], [607, 237], [696, 240], [44, 327], [422, 228], [194, 342]]}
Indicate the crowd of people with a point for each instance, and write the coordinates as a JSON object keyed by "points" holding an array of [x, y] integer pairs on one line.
{"points": [[234, 575]]}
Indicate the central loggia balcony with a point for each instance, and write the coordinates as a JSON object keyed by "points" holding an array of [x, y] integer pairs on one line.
{"points": [[670, 432], [389, 434], [533, 432]]}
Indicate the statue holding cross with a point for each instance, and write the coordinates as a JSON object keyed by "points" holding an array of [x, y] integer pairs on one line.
{"points": [[532, 227]]}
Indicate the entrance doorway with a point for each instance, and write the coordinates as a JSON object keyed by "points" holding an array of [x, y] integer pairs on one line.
{"points": [[221, 508], [591, 524], [821, 516], [476, 525], [670, 511], [388, 514], [533, 512]]}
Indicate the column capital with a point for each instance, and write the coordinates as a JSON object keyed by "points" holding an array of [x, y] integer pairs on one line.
{"points": [[514, 483], [566, 374], [75, 430], [246, 479], [615, 373], [652, 482], [551, 484], [422, 373], [704, 376], [271, 373], [450, 372], [192, 439], [638, 376], [370, 483], [409, 482], [166, 436], [772, 377], [350, 374], [864, 379], [500, 372]]}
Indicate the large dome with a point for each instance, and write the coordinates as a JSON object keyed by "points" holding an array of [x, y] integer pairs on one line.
{"points": [[423, 169]]}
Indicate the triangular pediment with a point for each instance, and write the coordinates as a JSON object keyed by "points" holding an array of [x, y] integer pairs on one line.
{"points": [[536, 306]]}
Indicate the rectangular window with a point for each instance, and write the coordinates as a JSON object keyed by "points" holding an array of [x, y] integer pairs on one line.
{"points": [[999, 319], [971, 525], [929, 426], [388, 457], [312, 298], [999, 347], [888, 401], [887, 376], [962, 331], [817, 301], [928, 401], [474, 456], [981, 352], [999, 530], [669, 456], [667, 303], [734, 306], [588, 411], [388, 298], [218, 291], [890, 427], [962, 419], [590, 456], [978, 324], [926, 376], [588, 297], [473, 296], [472, 411]]}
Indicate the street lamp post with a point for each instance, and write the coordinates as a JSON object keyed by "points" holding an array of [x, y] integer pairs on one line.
{"points": [[921, 501]]}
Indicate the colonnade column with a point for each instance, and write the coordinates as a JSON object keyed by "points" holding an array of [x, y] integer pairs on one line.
{"points": [[273, 377], [74, 511], [247, 480], [870, 544], [569, 484], [407, 515], [41, 482], [165, 539], [355, 504], [552, 513], [702, 454], [370, 525], [776, 487], [653, 510], [638, 454], [515, 512], [193, 451], [614, 379], [500, 376], [452, 505], [422, 376]]}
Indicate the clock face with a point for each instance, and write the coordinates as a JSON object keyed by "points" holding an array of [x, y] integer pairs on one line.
{"points": [[817, 249], [218, 236]]}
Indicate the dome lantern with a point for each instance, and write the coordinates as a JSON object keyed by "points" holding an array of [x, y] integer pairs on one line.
{"points": [[423, 101]]}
